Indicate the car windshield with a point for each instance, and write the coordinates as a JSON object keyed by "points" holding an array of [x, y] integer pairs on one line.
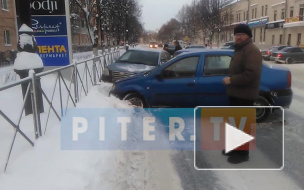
{"points": [[140, 57]]}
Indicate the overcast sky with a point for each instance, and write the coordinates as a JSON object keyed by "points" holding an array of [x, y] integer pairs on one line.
{"points": [[155, 13]]}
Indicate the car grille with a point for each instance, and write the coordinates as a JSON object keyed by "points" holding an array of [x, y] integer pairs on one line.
{"points": [[116, 75]]}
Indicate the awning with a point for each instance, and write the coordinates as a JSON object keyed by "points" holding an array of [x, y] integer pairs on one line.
{"points": [[276, 24], [294, 24]]}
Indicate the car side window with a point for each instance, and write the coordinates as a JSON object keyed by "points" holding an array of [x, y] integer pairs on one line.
{"points": [[184, 68], [296, 50], [164, 57], [216, 65]]}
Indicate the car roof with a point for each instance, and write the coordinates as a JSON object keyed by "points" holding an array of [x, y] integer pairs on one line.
{"points": [[199, 51], [146, 49]]}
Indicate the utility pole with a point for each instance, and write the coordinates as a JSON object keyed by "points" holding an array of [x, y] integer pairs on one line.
{"points": [[284, 29]]}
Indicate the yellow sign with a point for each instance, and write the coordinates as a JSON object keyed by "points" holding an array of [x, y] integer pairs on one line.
{"points": [[292, 19]]}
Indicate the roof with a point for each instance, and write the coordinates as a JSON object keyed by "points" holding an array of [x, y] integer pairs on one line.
{"points": [[198, 51], [146, 49]]}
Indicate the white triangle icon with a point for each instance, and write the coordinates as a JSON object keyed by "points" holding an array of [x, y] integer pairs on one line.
{"points": [[235, 138]]}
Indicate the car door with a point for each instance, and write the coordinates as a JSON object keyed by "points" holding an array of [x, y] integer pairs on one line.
{"points": [[211, 90], [297, 54], [175, 85]]}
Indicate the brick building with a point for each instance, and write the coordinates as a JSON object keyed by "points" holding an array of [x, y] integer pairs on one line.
{"points": [[8, 40]]}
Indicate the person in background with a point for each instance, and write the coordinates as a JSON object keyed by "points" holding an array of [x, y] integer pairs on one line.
{"points": [[177, 46], [243, 80], [166, 48]]}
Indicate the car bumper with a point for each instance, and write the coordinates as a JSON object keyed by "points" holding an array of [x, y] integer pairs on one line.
{"points": [[266, 57], [106, 78], [282, 98], [279, 60]]}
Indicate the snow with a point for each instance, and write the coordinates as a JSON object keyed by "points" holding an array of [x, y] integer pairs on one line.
{"points": [[26, 60], [25, 28]]}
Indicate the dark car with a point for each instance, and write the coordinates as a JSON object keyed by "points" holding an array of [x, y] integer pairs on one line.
{"points": [[274, 49], [229, 45], [289, 55], [195, 79], [195, 47], [134, 61], [153, 45]]}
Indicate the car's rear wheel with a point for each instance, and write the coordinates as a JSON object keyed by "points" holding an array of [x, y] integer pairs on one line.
{"points": [[262, 113], [289, 60], [135, 100]]}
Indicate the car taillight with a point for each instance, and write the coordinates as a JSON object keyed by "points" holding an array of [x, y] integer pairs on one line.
{"points": [[268, 52], [279, 55], [289, 79]]}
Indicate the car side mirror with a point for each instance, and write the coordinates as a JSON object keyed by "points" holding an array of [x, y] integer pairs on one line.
{"points": [[159, 76]]}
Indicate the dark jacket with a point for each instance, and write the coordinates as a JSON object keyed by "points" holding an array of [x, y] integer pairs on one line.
{"points": [[245, 71], [178, 48]]}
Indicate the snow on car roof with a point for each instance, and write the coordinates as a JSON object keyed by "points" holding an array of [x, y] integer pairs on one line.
{"points": [[146, 49]]}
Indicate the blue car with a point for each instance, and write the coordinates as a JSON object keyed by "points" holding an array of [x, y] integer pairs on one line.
{"points": [[195, 79]]}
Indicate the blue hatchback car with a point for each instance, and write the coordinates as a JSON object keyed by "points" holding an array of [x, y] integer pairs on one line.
{"points": [[195, 79]]}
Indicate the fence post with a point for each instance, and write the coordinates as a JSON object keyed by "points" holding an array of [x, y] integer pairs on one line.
{"points": [[75, 82], [34, 95], [94, 66]]}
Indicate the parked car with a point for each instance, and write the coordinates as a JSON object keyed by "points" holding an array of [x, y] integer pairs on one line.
{"points": [[195, 47], [289, 55], [134, 61], [273, 49], [195, 79], [229, 45], [153, 45]]}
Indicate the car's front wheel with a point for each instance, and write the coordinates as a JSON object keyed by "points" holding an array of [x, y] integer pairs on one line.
{"points": [[135, 100], [263, 112]]}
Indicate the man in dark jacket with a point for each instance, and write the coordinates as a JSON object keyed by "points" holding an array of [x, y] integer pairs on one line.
{"points": [[177, 46], [243, 79]]}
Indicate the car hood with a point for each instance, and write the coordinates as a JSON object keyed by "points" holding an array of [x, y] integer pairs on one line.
{"points": [[129, 67]]}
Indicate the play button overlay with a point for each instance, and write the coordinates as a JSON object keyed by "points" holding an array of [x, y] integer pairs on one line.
{"points": [[235, 128], [235, 138]]}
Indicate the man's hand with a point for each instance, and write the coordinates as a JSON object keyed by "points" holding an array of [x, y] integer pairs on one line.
{"points": [[226, 81]]}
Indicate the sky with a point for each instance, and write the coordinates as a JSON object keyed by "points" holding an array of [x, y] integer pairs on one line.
{"points": [[155, 13]]}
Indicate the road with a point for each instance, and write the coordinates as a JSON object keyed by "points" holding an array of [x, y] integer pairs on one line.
{"points": [[291, 177]]}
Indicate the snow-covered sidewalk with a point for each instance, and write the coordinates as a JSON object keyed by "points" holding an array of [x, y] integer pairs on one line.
{"points": [[48, 167]]}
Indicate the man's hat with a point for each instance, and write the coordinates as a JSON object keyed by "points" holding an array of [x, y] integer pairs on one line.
{"points": [[243, 28]]}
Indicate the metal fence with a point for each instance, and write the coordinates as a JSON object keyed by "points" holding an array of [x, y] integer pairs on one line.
{"points": [[61, 89]]}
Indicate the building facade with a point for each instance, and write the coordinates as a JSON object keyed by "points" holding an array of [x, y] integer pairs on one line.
{"points": [[273, 22], [8, 40]]}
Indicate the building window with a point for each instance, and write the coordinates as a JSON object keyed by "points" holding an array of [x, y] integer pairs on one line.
{"points": [[264, 35], [281, 39], [275, 15], [255, 12], [266, 6], [254, 35], [289, 39], [261, 35], [272, 40], [301, 12], [4, 4], [239, 17], [252, 13], [291, 12], [7, 37], [262, 10], [299, 39], [247, 15], [283, 14]]}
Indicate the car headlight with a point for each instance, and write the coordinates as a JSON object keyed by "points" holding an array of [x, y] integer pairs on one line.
{"points": [[106, 71], [151, 46]]}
